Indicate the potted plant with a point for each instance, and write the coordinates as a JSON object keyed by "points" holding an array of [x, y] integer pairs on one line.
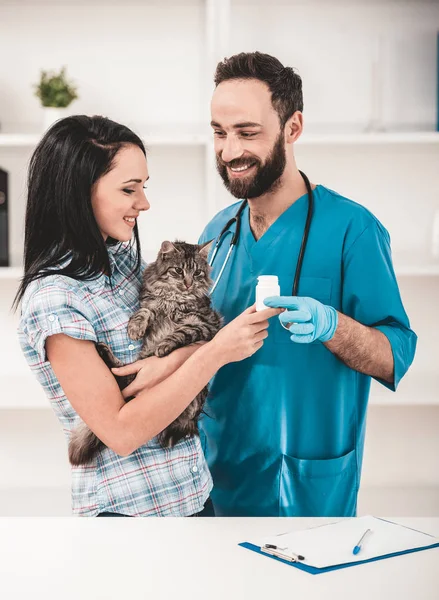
{"points": [[55, 93]]}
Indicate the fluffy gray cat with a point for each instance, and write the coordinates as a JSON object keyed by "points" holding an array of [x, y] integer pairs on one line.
{"points": [[175, 311]]}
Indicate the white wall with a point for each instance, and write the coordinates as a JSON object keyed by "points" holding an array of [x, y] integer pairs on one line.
{"points": [[147, 65], [140, 63], [333, 45]]}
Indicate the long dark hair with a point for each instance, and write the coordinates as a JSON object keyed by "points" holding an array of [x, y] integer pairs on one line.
{"points": [[73, 154], [284, 83]]}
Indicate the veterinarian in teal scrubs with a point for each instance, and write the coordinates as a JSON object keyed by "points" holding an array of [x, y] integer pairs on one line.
{"points": [[284, 430]]}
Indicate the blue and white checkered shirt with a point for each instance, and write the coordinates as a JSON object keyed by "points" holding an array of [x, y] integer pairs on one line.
{"points": [[152, 480]]}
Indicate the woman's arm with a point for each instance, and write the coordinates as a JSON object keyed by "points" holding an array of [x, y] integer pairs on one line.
{"points": [[124, 427], [153, 370]]}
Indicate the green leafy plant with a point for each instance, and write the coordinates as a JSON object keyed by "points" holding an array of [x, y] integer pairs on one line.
{"points": [[54, 89]]}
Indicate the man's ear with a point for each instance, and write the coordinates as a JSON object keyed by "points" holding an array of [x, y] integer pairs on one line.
{"points": [[205, 249], [294, 127]]}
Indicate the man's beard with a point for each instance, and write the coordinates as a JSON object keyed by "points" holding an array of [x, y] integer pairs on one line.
{"points": [[267, 176]]}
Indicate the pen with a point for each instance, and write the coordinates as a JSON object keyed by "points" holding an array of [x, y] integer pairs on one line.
{"points": [[291, 556], [357, 548]]}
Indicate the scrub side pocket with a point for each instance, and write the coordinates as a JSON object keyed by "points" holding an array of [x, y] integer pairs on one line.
{"points": [[318, 488], [318, 288]]}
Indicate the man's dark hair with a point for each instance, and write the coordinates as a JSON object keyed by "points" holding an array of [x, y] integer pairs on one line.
{"points": [[284, 84]]}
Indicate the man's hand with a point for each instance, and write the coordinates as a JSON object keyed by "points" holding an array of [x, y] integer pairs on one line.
{"points": [[306, 319]]}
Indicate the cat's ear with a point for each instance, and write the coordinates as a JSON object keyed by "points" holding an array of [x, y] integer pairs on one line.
{"points": [[205, 249], [166, 248]]}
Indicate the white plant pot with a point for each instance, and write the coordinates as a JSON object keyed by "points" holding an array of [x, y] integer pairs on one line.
{"points": [[50, 115]]}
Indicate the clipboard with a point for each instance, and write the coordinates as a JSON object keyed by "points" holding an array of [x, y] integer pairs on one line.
{"points": [[329, 547]]}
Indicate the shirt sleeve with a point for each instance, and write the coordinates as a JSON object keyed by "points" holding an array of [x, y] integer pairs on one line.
{"points": [[371, 295], [54, 309]]}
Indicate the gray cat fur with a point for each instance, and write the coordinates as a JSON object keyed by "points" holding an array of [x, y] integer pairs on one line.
{"points": [[175, 311]]}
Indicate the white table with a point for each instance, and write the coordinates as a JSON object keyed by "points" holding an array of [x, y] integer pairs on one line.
{"points": [[173, 559]]}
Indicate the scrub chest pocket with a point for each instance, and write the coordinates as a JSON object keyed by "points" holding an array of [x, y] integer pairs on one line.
{"points": [[318, 288]]}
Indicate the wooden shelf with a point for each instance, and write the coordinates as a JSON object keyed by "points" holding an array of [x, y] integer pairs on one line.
{"points": [[364, 139], [180, 136], [416, 389], [401, 500], [185, 136], [56, 501], [21, 391], [415, 265], [11, 272], [35, 502], [14, 140]]}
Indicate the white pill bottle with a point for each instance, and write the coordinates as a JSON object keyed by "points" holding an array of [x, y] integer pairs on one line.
{"points": [[268, 285]]}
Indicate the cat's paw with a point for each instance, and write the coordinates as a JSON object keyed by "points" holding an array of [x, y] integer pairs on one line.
{"points": [[137, 326], [164, 348], [107, 355], [103, 350]]}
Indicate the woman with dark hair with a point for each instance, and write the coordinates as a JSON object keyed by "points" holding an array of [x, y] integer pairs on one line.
{"points": [[82, 276]]}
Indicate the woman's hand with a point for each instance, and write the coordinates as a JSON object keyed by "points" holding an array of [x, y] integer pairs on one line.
{"points": [[243, 336], [149, 372], [153, 370]]}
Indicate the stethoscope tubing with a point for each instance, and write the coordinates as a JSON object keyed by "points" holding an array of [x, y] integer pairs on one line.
{"points": [[229, 252], [235, 237]]}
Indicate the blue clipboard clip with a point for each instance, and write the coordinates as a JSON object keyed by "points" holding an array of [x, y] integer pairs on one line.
{"points": [[276, 551]]}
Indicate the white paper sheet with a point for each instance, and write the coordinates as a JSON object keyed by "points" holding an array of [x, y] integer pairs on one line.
{"points": [[332, 544]]}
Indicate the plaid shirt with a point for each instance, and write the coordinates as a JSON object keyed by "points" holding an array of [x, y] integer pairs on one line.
{"points": [[152, 480]]}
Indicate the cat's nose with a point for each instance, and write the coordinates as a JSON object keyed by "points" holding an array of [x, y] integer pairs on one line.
{"points": [[187, 282]]}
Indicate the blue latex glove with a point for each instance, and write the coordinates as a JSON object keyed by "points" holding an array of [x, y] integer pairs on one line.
{"points": [[311, 320]]}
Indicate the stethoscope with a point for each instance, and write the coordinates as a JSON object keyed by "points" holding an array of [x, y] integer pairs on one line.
{"points": [[235, 237]]}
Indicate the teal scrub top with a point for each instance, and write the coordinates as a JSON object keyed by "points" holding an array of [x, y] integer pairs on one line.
{"points": [[284, 429]]}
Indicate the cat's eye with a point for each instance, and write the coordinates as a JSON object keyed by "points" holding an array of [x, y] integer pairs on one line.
{"points": [[197, 273], [179, 271]]}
